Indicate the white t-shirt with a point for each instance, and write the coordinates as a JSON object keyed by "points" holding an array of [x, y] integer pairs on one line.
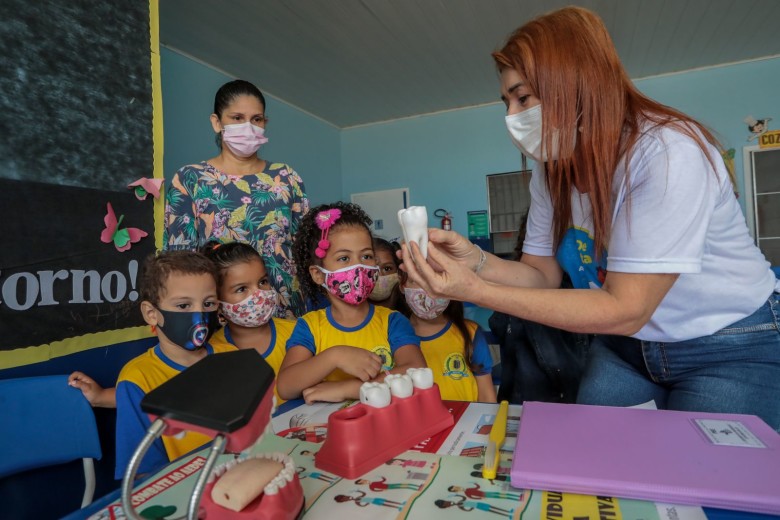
{"points": [[676, 216]]}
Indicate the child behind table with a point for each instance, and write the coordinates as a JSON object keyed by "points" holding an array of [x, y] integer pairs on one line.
{"points": [[179, 300], [454, 348], [247, 302], [332, 351], [387, 291]]}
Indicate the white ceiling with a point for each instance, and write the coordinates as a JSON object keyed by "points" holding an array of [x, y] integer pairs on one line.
{"points": [[353, 62]]}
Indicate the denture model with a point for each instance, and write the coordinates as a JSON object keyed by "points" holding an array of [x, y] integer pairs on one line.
{"points": [[264, 487], [362, 437], [414, 223]]}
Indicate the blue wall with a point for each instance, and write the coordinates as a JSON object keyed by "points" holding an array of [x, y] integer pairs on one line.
{"points": [[443, 158], [308, 144]]}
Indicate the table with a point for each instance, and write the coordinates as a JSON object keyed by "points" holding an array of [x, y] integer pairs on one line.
{"points": [[440, 478]]}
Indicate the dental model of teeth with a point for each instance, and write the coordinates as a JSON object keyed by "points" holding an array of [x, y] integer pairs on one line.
{"points": [[391, 418], [414, 224], [264, 486]]}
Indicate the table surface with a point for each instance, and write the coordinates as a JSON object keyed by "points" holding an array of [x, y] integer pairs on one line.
{"points": [[442, 470]]}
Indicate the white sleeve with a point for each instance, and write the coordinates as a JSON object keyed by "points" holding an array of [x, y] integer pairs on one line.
{"points": [[539, 232], [662, 223]]}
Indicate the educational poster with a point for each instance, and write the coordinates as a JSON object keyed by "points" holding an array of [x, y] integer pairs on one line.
{"points": [[412, 485], [81, 119]]}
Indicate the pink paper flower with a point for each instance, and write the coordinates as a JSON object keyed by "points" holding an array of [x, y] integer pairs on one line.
{"points": [[145, 186]]}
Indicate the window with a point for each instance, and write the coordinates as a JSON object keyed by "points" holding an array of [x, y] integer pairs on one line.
{"points": [[508, 199], [762, 199]]}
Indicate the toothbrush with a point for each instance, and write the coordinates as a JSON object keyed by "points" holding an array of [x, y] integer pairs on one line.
{"points": [[495, 441]]}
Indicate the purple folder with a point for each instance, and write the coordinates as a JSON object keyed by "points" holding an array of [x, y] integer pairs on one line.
{"points": [[727, 461]]}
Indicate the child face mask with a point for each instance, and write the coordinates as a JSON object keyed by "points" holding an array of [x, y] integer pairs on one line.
{"points": [[189, 330], [384, 287], [253, 311], [351, 284], [422, 305]]}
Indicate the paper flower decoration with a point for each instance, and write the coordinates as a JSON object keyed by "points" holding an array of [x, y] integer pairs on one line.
{"points": [[122, 238], [145, 186]]}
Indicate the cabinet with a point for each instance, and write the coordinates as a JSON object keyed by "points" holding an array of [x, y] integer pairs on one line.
{"points": [[762, 199]]}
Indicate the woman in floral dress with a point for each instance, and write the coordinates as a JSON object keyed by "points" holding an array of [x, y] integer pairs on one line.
{"points": [[237, 196]]}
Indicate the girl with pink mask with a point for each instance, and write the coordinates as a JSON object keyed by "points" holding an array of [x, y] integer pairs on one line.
{"points": [[247, 302], [238, 196], [454, 348], [333, 351]]}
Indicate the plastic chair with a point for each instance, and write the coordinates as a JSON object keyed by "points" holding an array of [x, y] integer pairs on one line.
{"points": [[45, 422]]}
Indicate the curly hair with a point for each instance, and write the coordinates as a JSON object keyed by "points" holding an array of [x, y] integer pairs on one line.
{"points": [[158, 267], [226, 255], [309, 235]]}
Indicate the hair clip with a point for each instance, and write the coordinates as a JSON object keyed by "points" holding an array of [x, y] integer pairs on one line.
{"points": [[324, 220]]}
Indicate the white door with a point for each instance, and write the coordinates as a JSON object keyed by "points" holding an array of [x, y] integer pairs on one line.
{"points": [[383, 208]]}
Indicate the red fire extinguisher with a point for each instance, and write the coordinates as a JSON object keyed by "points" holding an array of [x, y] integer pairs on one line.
{"points": [[446, 218]]}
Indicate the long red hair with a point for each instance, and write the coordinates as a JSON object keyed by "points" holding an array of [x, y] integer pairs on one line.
{"points": [[570, 63]]}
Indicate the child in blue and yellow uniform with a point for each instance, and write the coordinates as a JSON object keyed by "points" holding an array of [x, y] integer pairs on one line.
{"points": [[454, 348], [334, 350], [179, 300], [247, 303]]}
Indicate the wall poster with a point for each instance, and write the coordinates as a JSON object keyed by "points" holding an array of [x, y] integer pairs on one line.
{"points": [[81, 119]]}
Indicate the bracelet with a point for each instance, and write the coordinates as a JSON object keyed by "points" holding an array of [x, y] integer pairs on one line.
{"points": [[482, 259]]}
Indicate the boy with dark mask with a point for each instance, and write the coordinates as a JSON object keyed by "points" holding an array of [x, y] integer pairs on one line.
{"points": [[179, 301]]}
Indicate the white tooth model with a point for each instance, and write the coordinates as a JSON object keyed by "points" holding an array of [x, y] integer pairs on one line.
{"points": [[375, 394], [414, 223], [422, 378], [400, 385]]}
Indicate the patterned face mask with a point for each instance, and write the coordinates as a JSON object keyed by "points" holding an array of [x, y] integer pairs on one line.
{"points": [[253, 311], [189, 330], [384, 287], [351, 284], [422, 305]]}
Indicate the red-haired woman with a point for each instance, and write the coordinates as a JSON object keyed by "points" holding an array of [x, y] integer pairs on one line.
{"points": [[631, 199]]}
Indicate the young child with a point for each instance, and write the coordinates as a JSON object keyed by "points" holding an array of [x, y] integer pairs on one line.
{"points": [[179, 300], [454, 348], [334, 350], [387, 292], [247, 303]]}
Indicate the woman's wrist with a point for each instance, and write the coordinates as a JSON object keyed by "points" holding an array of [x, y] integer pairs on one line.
{"points": [[481, 261]]}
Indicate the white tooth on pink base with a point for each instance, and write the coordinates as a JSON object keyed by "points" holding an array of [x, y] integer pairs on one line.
{"points": [[375, 394], [400, 385], [422, 378]]}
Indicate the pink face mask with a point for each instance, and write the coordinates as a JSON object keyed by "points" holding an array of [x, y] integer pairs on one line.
{"points": [[424, 306], [244, 139], [254, 311], [352, 284]]}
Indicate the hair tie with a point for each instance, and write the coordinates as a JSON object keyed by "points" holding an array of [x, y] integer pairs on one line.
{"points": [[324, 220]]}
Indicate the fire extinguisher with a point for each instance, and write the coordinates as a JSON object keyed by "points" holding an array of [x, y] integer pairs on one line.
{"points": [[446, 218]]}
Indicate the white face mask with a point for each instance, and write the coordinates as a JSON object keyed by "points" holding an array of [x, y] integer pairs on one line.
{"points": [[525, 128]]}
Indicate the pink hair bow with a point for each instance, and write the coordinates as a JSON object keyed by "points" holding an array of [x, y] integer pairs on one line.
{"points": [[324, 220]]}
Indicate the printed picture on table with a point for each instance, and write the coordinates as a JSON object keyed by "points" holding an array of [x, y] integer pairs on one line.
{"points": [[311, 433], [389, 491]]}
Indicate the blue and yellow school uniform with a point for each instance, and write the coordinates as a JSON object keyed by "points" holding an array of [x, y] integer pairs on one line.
{"points": [[140, 376], [382, 332], [445, 356], [281, 330]]}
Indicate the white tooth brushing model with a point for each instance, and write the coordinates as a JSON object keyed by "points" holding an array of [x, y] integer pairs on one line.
{"points": [[400, 385], [375, 394], [422, 378], [414, 223]]}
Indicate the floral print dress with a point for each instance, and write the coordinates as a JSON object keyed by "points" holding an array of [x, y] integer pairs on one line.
{"points": [[263, 209]]}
